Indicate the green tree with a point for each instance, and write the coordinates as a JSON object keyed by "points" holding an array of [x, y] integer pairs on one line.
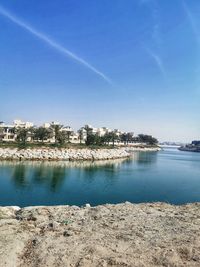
{"points": [[68, 134], [148, 139], [90, 138], [80, 135], [43, 133], [123, 138], [1, 133], [62, 136], [56, 131], [129, 138], [107, 138], [23, 134], [113, 137]]}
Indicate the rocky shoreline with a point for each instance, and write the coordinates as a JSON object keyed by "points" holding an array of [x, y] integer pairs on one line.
{"points": [[62, 154], [68, 154], [156, 234]]}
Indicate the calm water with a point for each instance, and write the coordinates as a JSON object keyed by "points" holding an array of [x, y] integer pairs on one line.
{"points": [[170, 175]]}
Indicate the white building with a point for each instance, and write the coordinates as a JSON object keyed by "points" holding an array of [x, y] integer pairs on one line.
{"points": [[21, 124], [7, 131], [103, 130]]}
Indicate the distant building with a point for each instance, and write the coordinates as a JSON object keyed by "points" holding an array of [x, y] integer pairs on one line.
{"points": [[21, 124], [118, 132], [73, 137], [48, 124], [8, 130], [103, 130]]}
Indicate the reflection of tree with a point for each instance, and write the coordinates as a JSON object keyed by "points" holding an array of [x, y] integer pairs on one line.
{"points": [[57, 178], [41, 174], [52, 175], [91, 172], [146, 157], [19, 176]]}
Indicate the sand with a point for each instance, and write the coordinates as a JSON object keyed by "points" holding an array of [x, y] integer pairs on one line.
{"points": [[109, 235]]}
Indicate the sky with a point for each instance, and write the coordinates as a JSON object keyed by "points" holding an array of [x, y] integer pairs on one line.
{"points": [[132, 65]]}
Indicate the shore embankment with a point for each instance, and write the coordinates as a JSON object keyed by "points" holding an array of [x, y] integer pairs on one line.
{"points": [[126, 234], [67, 154]]}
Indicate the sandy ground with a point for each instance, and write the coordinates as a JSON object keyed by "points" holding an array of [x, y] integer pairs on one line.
{"points": [[108, 235]]}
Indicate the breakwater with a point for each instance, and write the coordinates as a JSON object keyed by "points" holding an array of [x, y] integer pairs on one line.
{"points": [[62, 154]]}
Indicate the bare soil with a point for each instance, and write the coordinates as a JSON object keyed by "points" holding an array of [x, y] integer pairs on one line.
{"points": [[109, 235]]}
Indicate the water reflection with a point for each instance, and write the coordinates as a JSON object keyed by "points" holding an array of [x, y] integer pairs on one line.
{"points": [[19, 175], [69, 164], [57, 178], [54, 174], [145, 158], [164, 176]]}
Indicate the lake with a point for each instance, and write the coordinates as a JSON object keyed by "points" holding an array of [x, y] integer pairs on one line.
{"points": [[170, 175]]}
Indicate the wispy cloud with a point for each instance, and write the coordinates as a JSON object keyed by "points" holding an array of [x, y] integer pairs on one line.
{"points": [[192, 21], [158, 61], [156, 37], [52, 43]]}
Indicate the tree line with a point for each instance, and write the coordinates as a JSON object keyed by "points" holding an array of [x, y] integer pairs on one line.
{"points": [[85, 134], [113, 138]]}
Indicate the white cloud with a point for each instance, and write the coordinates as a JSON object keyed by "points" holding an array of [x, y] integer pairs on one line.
{"points": [[52, 43]]}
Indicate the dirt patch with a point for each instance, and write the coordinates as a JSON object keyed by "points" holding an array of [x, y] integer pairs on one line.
{"points": [[109, 235]]}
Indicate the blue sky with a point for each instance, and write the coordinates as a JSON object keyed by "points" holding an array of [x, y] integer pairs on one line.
{"points": [[135, 64]]}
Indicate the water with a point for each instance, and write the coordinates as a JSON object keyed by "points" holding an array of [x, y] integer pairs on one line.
{"points": [[171, 176]]}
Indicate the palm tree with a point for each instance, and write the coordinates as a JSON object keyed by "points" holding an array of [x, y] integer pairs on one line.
{"points": [[88, 131], [80, 135], [129, 137], [56, 128], [1, 133], [68, 131], [107, 138], [42, 133], [123, 138], [23, 134], [61, 137], [113, 137]]}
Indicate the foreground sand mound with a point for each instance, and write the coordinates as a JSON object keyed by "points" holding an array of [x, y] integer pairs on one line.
{"points": [[109, 235]]}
